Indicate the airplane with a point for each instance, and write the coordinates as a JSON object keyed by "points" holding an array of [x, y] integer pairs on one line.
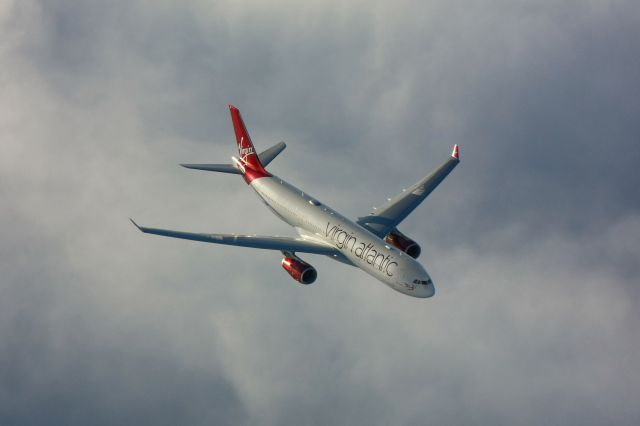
{"points": [[372, 243]]}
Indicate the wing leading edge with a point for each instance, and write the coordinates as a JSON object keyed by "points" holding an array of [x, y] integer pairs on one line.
{"points": [[384, 219], [252, 241]]}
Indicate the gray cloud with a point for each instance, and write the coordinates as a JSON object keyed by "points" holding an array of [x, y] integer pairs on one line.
{"points": [[532, 240]]}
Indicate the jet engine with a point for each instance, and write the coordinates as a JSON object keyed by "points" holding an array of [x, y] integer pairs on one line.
{"points": [[404, 243], [299, 270]]}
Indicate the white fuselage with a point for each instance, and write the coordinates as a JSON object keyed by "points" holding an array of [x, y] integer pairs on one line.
{"points": [[358, 247]]}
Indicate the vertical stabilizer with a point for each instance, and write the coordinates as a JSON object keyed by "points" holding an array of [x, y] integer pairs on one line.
{"points": [[249, 160]]}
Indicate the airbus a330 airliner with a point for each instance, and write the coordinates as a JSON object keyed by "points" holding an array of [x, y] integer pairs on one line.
{"points": [[371, 243]]}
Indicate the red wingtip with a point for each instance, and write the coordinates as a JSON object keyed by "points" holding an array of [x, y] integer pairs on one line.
{"points": [[455, 154], [231, 107]]}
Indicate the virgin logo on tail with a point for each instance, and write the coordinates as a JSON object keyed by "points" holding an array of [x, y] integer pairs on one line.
{"points": [[244, 152]]}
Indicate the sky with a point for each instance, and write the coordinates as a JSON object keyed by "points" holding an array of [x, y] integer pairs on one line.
{"points": [[532, 241]]}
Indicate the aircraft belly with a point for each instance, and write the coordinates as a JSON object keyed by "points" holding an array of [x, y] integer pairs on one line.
{"points": [[358, 246]]}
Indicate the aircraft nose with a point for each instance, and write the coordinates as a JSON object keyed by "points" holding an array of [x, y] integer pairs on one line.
{"points": [[428, 290]]}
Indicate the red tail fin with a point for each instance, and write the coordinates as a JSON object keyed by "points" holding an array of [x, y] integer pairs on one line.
{"points": [[253, 169]]}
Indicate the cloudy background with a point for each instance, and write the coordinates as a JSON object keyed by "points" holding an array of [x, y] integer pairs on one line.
{"points": [[532, 241]]}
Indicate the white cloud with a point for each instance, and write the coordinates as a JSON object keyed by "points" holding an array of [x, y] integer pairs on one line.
{"points": [[534, 316]]}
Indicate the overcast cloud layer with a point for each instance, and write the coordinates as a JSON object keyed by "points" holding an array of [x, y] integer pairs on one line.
{"points": [[532, 241]]}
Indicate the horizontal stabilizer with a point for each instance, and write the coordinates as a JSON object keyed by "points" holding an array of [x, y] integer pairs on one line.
{"points": [[253, 241], [223, 168], [269, 154], [265, 157]]}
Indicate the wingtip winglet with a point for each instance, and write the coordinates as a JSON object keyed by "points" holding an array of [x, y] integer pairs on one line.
{"points": [[455, 154], [135, 224]]}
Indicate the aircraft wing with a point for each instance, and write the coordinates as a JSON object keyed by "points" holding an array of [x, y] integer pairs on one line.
{"points": [[253, 241], [384, 219]]}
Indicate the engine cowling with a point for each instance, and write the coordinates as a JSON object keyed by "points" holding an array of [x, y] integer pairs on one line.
{"points": [[299, 270], [404, 243]]}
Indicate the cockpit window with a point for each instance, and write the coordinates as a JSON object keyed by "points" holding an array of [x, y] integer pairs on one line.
{"points": [[314, 202], [427, 282]]}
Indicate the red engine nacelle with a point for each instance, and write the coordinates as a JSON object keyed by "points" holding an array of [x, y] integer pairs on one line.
{"points": [[299, 270], [404, 243]]}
